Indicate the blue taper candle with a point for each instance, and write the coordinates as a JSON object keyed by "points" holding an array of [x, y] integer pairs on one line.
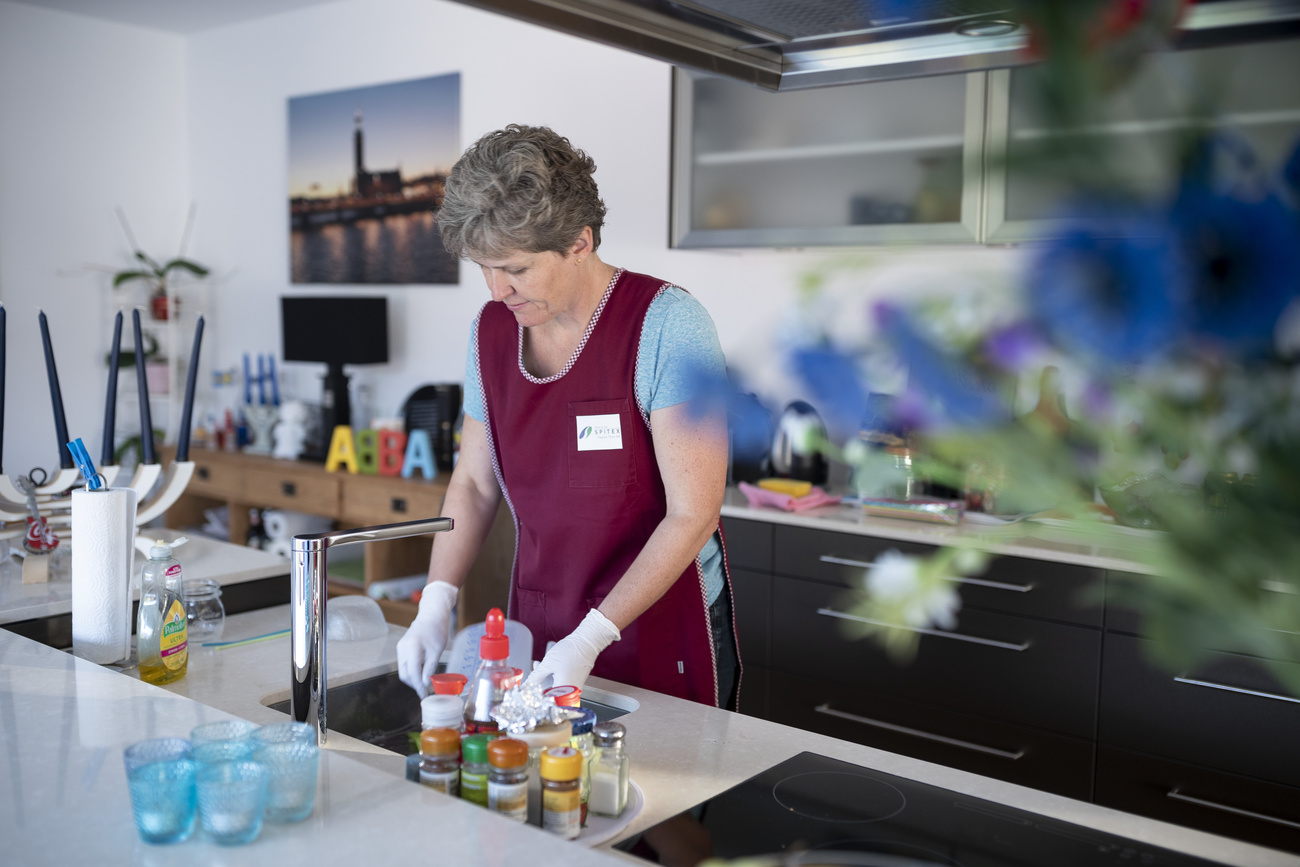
{"points": [[191, 382], [146, 415], [56, 396], [261, 379], [248, 381], [110, 401], [275, 386]]}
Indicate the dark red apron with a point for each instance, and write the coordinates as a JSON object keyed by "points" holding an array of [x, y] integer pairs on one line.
{"points": [[582, 516]]}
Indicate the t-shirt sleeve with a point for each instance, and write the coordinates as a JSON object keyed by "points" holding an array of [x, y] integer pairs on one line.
{"points": [[679, 356], [472, 393]]}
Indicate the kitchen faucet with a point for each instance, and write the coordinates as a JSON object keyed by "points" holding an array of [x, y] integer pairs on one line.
{"points": [[307, 629]]}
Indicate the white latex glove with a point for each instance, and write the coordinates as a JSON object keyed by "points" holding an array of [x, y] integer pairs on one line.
{"points": [[419, 650], [570, 660]]}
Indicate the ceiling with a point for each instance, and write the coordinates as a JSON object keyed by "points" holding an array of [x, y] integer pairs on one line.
{"points": [[175, 16]]}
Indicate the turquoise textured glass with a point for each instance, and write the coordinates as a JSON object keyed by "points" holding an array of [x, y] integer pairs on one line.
{"points": [[283, 733], [155, 750], [226, 730], [215, 752], [232, 796], [291, 786], [163, 799]]}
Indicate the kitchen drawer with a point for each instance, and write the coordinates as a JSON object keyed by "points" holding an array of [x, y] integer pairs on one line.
{"points": [[1013, 668], [1230, 714], [752, 598], [1017, 754], [314, 493], [1015, 585], [214, 478], [368, 500], [749, 544], [1199, 797]]}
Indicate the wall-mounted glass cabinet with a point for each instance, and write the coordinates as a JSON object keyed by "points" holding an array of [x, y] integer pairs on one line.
{"points": [[1249, 91], [924, 160], [887, 162]]}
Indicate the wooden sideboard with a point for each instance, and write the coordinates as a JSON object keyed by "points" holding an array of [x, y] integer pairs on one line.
{"points": [[243, 481]]}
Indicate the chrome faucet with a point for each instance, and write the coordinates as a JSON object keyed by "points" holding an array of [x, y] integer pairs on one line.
{"points": [[307, 629]]}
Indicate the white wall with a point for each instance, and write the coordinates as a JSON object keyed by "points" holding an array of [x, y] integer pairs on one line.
{"points": [[610, 102], [92, 115]]}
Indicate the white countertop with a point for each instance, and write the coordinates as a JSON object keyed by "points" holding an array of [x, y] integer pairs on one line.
{"points": [[1076, 542], [200, 557], [66, 722]]}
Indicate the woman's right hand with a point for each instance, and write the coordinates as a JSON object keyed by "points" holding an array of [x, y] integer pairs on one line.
{"points": [[419, 650]]}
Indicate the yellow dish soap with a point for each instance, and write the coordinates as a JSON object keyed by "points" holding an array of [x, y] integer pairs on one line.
{"points": [[162, 635]]}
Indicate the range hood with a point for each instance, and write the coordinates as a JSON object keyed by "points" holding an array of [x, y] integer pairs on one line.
{"points": [[799, 44]]}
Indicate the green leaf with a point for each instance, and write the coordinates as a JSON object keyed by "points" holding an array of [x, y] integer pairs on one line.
{"points": [[193, 267], [126, 276]]}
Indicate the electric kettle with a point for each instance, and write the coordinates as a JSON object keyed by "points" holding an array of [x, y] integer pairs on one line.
{"points": [[788, 457]]}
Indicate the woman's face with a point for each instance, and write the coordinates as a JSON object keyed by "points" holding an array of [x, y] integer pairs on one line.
{"points": [[535, 287]]}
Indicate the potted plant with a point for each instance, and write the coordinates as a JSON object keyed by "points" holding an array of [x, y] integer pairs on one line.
{"points": [[156, 274]]}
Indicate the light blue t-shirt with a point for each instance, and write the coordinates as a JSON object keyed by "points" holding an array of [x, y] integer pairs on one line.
{"points": [[679, 349]]}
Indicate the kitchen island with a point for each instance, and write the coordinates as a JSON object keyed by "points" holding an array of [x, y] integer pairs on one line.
{"points": [[66, 722]]}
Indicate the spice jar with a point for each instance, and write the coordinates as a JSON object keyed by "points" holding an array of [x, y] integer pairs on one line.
{"points": [[561, 800], [205, 616], [442, 711], [565, 696], [440, 760], [581, 741], [474, 769], [448, 683], [609, 770], [544, 736], [508, 778]]}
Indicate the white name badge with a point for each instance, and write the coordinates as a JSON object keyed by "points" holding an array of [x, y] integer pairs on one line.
{"points": [[599, 432]]}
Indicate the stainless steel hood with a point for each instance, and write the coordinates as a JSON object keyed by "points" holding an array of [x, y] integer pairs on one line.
{"points": [[797, 44]]}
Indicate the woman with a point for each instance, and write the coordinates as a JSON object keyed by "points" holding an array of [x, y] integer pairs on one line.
{"points": [[578, 410]]}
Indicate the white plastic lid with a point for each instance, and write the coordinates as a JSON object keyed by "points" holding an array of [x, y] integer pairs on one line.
{"points": [[441, 711], [162, 549]]}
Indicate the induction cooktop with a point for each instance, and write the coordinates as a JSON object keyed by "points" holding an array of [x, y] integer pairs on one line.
{"points": [[817, 806]]}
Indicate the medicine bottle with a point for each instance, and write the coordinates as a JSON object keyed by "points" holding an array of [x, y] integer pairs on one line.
{"points": [[440, 760], [609, 771], [583, 721], [508, 778], [561, 801], [474, 769]]}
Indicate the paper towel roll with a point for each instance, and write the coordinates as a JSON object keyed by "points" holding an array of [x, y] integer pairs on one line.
{"points": [[281, 547], [280, 524], [103, 524]]}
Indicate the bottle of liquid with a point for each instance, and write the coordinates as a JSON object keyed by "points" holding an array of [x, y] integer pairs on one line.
{"points": [[508, 778], [162, 634], [440, 760], [483, 692], [609, 770]]}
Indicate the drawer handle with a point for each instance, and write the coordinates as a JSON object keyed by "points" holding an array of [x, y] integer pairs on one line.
{"points": [[1177, 795], [978, 582], [1226, 688], [957, 636], [203, 473], [289, 489], [917, 733], [399, 505]]}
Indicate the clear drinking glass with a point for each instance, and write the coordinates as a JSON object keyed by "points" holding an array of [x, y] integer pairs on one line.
{"points": [[232, 797], [163, 799], [225, 730], [291, 786], [283, 733], [214, 752], [204, 613], [155, 750]]}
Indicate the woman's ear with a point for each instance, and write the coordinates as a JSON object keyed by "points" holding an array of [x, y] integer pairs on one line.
{"points": [[581, 248]]}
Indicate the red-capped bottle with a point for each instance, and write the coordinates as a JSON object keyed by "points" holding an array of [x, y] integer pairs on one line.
{"points": [[484, 689]]}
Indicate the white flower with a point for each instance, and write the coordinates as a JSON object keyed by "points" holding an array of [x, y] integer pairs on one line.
{"points": [[898, 584]]}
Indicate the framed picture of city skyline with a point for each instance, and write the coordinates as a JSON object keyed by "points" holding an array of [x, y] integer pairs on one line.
{"points": [[367, 168]]}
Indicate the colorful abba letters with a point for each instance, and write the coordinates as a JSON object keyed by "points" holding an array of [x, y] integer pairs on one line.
{"points": [[382, 452]]}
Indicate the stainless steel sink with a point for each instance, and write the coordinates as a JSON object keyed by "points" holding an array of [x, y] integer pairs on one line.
{"points": [[383, 711]]}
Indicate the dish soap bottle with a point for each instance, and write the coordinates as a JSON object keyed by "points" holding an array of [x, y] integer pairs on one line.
{"points": [[162, 634]]}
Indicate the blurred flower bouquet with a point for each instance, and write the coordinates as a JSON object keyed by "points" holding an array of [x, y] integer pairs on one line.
{"points": [[1175, 319]]}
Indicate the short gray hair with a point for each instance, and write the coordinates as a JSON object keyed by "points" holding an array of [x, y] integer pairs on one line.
{"points": [[522, 188]]}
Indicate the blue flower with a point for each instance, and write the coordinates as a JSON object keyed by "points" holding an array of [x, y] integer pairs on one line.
{"points": [[1111, 285], [1244, 264], [834, 387], [952, 391]]}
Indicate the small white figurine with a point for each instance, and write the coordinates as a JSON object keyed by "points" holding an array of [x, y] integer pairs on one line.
{"points": [[290, 432]]}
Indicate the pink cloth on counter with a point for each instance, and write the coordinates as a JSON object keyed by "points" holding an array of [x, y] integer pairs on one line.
{"points": [[763, 497]]}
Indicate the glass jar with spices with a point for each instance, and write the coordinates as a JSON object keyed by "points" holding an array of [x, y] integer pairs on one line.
{"points": [[542, 737], [474, 769], [440, 760], [561, 799], [609, 770], [581, 741], [508, 778]]}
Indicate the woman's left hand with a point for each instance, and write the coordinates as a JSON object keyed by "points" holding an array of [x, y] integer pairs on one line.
{"points": [[570, 660]]}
